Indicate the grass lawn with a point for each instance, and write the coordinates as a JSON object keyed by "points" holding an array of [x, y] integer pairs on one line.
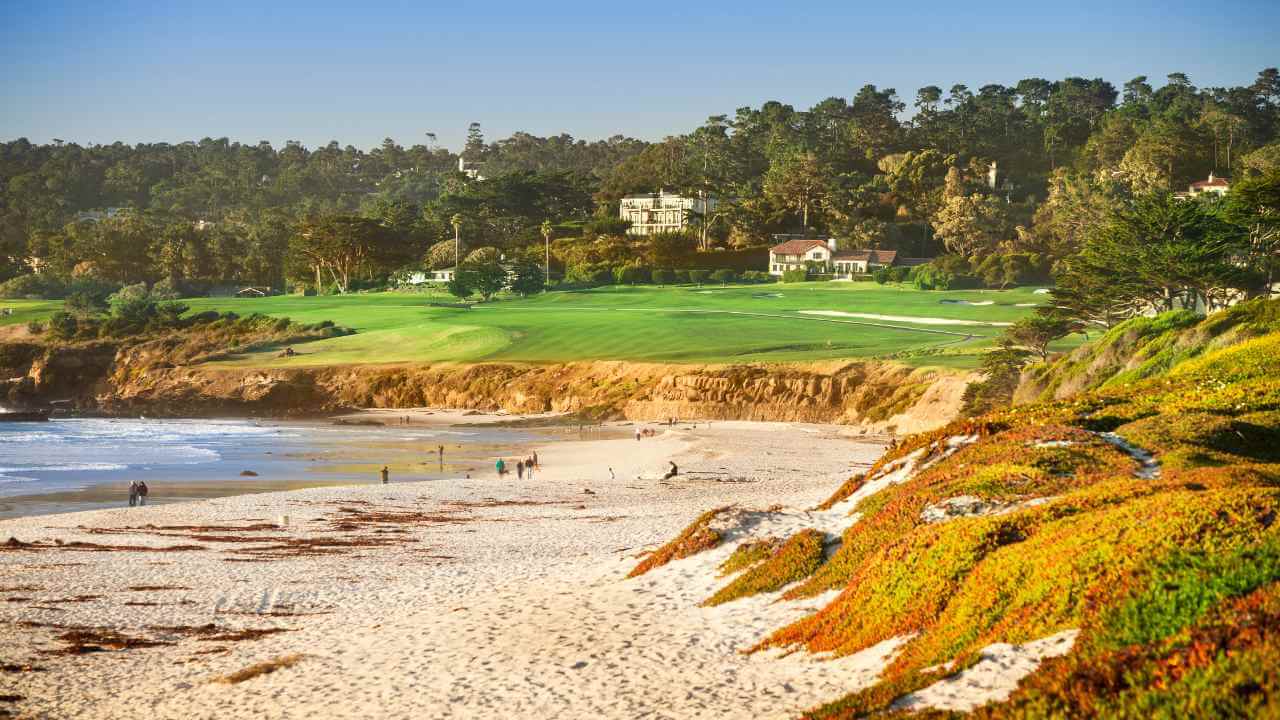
{"points": [[738, 323]]}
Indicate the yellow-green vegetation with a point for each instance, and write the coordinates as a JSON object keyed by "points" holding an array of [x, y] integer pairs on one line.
{"points": [[794, 560], [694, 539], [846, 489], [1170, 568], [1146, 347], [749, 553]]}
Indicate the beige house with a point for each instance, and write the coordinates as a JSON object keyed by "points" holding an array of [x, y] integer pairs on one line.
{"points": [[661, 212], [861, 262], [840, 264], [798, 254]]}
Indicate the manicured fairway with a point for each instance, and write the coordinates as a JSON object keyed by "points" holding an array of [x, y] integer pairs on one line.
{"points": [[791, 322], [683, 324]]}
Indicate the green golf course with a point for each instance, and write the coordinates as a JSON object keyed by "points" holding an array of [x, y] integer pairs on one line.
{"points": [[686, 324]]}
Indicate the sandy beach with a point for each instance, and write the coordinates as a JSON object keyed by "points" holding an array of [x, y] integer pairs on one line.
{"points": [[459, 598]]}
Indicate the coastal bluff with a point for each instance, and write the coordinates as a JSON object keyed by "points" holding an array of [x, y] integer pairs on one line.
{"points": [[150, 379]]}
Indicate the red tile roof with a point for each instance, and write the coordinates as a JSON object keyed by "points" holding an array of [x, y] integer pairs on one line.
{"points": [[875, 257], [796, 247], [1216, 182]]}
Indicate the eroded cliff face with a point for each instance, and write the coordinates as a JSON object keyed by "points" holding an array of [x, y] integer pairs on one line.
{"points": [[141, 380]]}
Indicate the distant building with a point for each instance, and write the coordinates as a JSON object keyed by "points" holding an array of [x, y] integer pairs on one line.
{"points": [[801, 254], [1215, 185], [422, 277], [471, 170], [861, 262], [661, 212]]}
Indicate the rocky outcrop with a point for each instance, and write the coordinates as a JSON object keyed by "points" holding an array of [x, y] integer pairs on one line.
{"points": [[146, 379]]}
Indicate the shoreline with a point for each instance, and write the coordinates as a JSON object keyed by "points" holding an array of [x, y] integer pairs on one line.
{"points": [[313, 463], [483, 597]]}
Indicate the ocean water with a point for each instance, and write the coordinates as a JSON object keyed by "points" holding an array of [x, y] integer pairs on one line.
{"points": [[66, 456]]}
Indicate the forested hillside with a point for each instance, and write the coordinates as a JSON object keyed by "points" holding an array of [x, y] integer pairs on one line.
{"points": [[1005, 180]]}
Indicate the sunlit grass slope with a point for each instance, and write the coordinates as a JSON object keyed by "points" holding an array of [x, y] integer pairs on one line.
{"points": [[684, 324]]}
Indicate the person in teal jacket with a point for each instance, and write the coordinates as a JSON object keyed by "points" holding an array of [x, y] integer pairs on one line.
{"points": [[502, 467]]}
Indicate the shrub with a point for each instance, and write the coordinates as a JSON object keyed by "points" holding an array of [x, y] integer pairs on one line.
{"points": [[757, 276], [795, 276], [34, 287], [724, 276], [132, 305], [63, 325], [169, 289], [631, 274], [681, 277], [663, 277], [699, 276]]}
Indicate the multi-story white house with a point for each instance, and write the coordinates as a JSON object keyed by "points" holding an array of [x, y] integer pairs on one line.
{"points": [[661, 212]]}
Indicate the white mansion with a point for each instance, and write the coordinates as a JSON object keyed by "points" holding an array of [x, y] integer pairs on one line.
{"points": [[660, 212]]}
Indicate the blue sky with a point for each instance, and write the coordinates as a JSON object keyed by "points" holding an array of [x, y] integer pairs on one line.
{"points": [[358, 72]]}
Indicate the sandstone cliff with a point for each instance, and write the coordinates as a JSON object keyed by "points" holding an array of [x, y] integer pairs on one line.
{"points": [[146, 379]]}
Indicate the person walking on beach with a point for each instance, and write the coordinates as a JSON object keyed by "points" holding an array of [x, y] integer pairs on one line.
{"points": [[519, 470], [385, 473], [142, 492], [535, 460], [528, 467], [133, 493], [638, 433], [501, 466]]}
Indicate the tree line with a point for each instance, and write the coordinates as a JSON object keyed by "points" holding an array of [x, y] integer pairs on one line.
{"points": [[1023, 174]]}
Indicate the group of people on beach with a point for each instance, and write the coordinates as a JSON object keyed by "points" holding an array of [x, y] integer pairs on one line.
{"points": [[137, 493], [524, 467], [650, 432]]}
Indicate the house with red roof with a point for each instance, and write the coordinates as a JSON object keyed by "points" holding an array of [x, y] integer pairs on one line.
{"points": [[801, 254], [822, 255], [1213, 186], [861, 262]]}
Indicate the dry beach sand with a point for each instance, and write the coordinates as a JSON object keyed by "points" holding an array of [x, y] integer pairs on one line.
{"points": [[462, 598]]}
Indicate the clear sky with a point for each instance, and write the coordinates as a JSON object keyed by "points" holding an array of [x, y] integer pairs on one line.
{"points": [[356, 72]]}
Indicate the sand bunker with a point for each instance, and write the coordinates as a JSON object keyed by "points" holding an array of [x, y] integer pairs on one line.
{"points": [[904, 318]]}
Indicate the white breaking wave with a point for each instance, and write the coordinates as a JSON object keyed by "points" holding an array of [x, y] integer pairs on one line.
{"points": [[67, 467]]}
